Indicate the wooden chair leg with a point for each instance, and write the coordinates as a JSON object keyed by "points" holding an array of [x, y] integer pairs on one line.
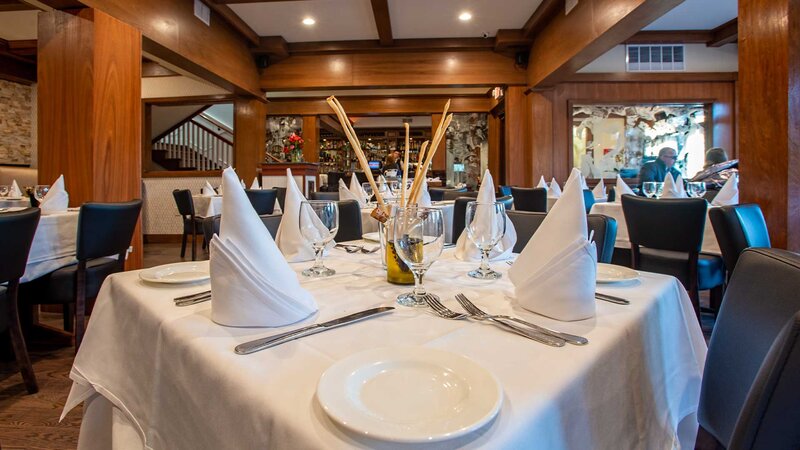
{"points": [[18, 341], [80, 304], [183, 244], [69, 316]]}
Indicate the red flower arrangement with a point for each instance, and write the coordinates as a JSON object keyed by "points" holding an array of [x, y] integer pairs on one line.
{"points": [[295, 148]]}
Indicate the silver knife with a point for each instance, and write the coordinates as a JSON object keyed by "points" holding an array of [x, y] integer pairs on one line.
{"points": [[611, 299], [272, 341]]}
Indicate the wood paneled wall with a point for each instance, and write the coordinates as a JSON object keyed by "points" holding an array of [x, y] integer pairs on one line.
{"points": [[311, 138], [518, 156], [89, 108], [465, 68], [249, 135], [769, 131], [380, 105]]}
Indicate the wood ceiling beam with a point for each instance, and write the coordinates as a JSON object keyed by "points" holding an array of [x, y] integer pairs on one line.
{"points": [[233, 2], [399, 45], [27, 47], [274, 46], [16, 70], [381, 106], [14, 5], [332, 125], [727, 33], [234, 20], [155, 70], [670, 37], [380, 9], [541, 17]]}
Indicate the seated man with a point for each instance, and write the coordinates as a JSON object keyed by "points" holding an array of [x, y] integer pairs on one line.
{"points": [[717, 168], [657, 170]]}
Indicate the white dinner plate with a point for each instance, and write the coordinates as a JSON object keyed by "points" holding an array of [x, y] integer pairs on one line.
{"points": [[373, 236], [177, 273], [610, 273], [409, 394]]}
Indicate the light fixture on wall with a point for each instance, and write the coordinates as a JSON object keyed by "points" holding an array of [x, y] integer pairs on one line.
{"points": [[465, 16], [308, 21]]}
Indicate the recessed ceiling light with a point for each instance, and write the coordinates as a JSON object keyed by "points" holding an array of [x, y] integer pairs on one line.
{"points": [[309, 21], [465, 16]]}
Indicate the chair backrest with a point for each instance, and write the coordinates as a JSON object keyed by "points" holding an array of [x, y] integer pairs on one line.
{"points": [[605, 231], [504, 191], [665, 224], [759, 301], [437, 194], [106, 229], [332, 196], [361, 177], [349, 221], [263, 200], [272, 222], [16, 236], [738, 227], [211, 225], [460, 215], [530, 199], [588, 200], [452, 194], [612, 194], [770, 414], [507, 201], [281, 197], [184, 202]]}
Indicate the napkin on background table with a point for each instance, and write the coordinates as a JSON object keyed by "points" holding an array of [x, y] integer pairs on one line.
{"points": [[556, 272], [542, 183], [555, 190], [729, 194], [241, 182], [355, 188], [347, 194], [424, 195], [251, 283], [583, 182], [465, 249], [289, 239], [208, 190], [621, 189], [15, 191], [56, 200], [599, 190], [254, 185], [673, 188]]}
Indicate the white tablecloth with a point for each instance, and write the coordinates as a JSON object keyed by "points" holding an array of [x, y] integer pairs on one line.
{"points": [[15, 202], [614, 209], [370, 225], [207, 206], [53, 244], [168, 376]]}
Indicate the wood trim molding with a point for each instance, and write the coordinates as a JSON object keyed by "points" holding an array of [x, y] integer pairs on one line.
{"points": [[398, 45], [191, 100], [234, 21], [670, 37], [655, 77], [541, 17], [155, 70], [382, 106], [727, 33]]}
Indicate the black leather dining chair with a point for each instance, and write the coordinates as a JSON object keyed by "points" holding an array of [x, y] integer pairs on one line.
{"points": [[263, 200], [738, 227], [507, 201], [530, 199], [503, 191], [612, 194], [105, 231], [666, 237], [349, 221], [211, 225], [192, 224], [332, 196], [751, 380], [16, 236], [604, 227], [452, 194], [437, 194], [281, 197], [588, 200]]}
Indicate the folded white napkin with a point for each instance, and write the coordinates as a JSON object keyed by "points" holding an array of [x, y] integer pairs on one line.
{"points": [[673, 188], [289, 239], [15, 191], [254, 184], [56, 199], [542, 183], [208, 190], [424, 195], [621, 189], [251, 283], [465, 249], [729, 194], [583, 182], [599, 190], [555, 190], [556, 272], [381, 179], [355, 188], [346, 194], [244, 186]]}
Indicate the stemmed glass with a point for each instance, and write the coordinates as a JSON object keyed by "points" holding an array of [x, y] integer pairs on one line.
{"points": [[649, 189], [659, 190], [40, 191], [367, 188], [418, 240], [4, 190], [486, 226], [696, 189], [319, 222]]}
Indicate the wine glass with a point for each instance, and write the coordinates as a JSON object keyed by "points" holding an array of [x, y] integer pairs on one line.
{"points": [[367, 188], [4, 190], [319, 222], [418, 240], [696, 189], [394, 188], [40, 191], [649, 189], [659, 190], [486, 225]]}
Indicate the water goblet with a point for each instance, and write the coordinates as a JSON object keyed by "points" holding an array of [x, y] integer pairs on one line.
{"points": [[367, 188], [697, 189], [319, 222], [486, 226], [41, 191], [419, 240], [4, 189], [649, 189], [659, 190]]}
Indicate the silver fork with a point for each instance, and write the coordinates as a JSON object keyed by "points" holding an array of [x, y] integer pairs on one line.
{"points": [[474, 311], [372, 250], [350, 248], [445, 312]]}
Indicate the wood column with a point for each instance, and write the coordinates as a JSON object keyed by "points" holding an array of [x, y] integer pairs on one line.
{"points": [[440, 158], [769, 124], [495, 157], [543, 153], [311, 138], [249, 135], [89, 108], [517, 148]]}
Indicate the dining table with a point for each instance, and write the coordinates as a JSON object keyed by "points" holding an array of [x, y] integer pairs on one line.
{"points": [[157, 376], [614, 209], [54, 244], [207, 206], [14, 202], [370, 225]]}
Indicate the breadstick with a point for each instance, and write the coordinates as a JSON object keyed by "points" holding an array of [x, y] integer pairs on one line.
{"points": [[405, 167]]}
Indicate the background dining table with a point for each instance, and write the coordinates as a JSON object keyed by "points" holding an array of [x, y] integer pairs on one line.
{"points": [[170, 378], [207, 206], [9, 202]]}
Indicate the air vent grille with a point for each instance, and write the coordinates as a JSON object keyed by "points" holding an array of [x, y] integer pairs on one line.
{"points": [[655, 58]]}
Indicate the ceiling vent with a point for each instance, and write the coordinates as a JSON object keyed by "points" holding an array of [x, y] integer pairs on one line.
{"points": [[202, 12], [655, 58]]}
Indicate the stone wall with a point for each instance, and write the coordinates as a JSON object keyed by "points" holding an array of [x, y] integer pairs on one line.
{"points": [[17, 123]]}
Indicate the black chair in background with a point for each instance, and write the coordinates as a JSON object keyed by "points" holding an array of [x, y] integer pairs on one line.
{"points": [[361, 177], [333, 181], [349, 221], [612, 194], [460, 215], [605, 231], [738, 227], [281, 197], [666, 237], [504, 191], [263, 200], [331, 196], [16, 236], [751, 381], [191, 223], [211, 225], [437, 194], [530, 199], [104, 229], [453, 194], [588, 200], [507, 201]]}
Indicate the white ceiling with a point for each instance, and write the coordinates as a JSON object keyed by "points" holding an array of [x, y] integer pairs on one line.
{"points": [[697, 15], [439, 18], [18, 25], [337, 20]]}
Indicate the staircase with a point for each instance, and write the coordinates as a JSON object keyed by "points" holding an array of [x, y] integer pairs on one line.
{"points": [[196, 143]]}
